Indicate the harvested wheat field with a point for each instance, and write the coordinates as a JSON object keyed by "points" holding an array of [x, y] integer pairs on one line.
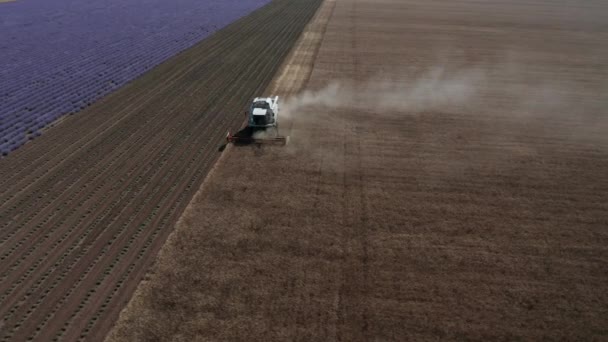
{"points": [[446, 178]]}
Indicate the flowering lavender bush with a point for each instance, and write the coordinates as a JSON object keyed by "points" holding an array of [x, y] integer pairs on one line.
{"points": [[57, 57]]}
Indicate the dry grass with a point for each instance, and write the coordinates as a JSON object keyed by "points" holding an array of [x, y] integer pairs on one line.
{"points": [[475, 208]]}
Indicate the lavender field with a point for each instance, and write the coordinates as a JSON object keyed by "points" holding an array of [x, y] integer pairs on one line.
{"points": [[60, 56]]}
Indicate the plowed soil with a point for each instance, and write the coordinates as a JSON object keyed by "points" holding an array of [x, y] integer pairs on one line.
{"points": [[85, 208], [445, 179]]}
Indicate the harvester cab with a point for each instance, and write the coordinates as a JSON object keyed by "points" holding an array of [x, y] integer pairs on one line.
{"points": [[263, 112], [262, 124]]}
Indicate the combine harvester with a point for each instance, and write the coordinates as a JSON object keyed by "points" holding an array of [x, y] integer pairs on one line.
{"points": [[262, 124]]}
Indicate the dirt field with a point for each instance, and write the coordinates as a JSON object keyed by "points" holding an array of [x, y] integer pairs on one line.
{"points": [[85, 208], [446, 179]]}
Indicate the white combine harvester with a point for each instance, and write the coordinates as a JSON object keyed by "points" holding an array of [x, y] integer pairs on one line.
{"points": [[262, 124]]}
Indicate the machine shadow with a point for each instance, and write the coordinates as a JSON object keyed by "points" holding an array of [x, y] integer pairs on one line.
{"points": [[244, 137]]}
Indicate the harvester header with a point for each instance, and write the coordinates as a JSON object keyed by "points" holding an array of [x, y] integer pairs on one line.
{"points": [[262, 124]]}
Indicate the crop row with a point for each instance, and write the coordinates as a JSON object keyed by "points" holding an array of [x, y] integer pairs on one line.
{"points": [[99, 176], [77, 253], [169, 72], [50, 230]]}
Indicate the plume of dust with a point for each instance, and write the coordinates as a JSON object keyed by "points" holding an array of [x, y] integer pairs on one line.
{"points": [[436, 89], [504, 89], [524, 103], [332, 107]]}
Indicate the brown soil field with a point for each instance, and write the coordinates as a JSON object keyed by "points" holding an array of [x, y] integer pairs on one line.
{"points": [[85, 208], [446, 178]]}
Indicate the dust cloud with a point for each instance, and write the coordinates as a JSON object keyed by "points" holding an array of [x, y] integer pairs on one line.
{"points": [[503, 90], [436, 89]]}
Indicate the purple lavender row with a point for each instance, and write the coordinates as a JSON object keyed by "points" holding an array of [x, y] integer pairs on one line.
{"points": [[58, 57]]}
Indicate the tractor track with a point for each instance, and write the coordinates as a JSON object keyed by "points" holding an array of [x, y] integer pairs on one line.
{"points": [[80, 226]]}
